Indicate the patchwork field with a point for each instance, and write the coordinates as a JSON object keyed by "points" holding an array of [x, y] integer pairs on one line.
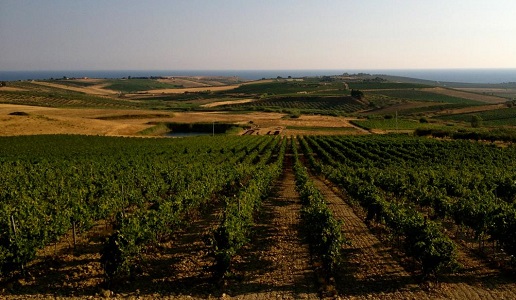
{"points": [[310, 188]]}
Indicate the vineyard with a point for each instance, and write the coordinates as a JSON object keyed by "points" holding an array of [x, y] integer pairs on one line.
{"points": [[257, 217], [306, 104], [497, 117], [60, 99], [419, 95]]}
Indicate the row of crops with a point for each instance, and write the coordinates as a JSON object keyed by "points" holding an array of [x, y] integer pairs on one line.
{"points": [[146, 188], [496, 117], [324, 231], [62, 99], [344, 104], [417, 187], [420, 95]]}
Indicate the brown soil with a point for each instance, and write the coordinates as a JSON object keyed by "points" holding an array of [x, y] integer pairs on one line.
{"points": [[276, 264], [373, 270], [179, 267], [370, 268], [59, 270]]}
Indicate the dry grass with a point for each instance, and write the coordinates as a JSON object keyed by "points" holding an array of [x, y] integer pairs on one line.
{"points": [[220, 103], [11, 89], [97, 89], [44, 120]]}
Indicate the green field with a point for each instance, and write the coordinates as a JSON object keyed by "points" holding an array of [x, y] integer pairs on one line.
{"points": [[498, 117], [60, 98], [73, 83], [392, 124], [418, 95], [385, 85], [305, 104], [282, 87], [431, 109], [137, 85]]}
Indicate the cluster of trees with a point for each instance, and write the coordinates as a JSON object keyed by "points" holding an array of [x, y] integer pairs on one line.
{"points": [[357, 94]]}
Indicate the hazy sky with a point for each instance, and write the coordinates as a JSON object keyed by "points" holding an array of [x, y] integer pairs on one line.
{"points": [[256, 34]]}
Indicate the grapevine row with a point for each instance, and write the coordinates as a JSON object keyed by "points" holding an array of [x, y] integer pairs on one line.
{"points": [[422, 239], [239, 209], [324, 231]]}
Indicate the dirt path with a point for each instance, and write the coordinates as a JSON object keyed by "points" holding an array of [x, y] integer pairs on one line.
{"points": [[370, 270], [373, 272], [358, 128], [276, 264]]}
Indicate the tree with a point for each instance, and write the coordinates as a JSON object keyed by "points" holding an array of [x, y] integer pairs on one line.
{"points": [[357, 94], [476, 121], [3, 83]]}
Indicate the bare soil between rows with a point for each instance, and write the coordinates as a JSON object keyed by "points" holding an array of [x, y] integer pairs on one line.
{"points": [[276, 263], [374, 270]]}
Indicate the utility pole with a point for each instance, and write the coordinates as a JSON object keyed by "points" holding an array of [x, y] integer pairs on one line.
{"points": [[396, 121]]}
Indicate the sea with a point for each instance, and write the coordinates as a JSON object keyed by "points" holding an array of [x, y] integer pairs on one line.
{"points": [[483, 76]]}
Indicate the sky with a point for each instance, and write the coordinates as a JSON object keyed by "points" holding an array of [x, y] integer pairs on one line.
{"points": [[256, 34]]}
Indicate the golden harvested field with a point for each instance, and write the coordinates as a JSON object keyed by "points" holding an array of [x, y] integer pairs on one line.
{"points": [[97, 89], [220, 103], [44, 120]]}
